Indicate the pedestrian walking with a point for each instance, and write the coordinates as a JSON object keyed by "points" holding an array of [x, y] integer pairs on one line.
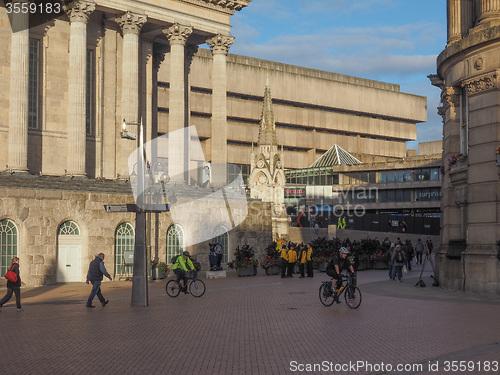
{"points": [[409, 252], [13, 287], [95, 275], [398, 261], [430, 246], [388, 256], [419, 250]]}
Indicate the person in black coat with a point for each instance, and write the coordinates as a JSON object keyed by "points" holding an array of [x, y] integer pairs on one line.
{"points": [[13, 287]]}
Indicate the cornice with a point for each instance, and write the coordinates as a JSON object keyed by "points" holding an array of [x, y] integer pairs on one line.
{"points": [[225, 6]]}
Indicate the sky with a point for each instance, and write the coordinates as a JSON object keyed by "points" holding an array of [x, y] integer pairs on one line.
{"points": [[394, 41]]}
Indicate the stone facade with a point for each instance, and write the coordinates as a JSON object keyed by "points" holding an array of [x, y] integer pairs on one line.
{"points": [[40, 207], [468, 71]]}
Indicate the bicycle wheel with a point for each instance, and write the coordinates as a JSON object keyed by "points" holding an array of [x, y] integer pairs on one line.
{"points": [[172, 288], [325, 296], [353, 297], [197, 288]]}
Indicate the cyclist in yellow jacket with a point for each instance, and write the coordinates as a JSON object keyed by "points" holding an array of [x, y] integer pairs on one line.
{"points": [[284, 261], [181, 267], [292, 259]]}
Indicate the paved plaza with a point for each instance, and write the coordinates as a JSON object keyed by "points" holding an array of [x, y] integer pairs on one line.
{"points": [[252, 325]]}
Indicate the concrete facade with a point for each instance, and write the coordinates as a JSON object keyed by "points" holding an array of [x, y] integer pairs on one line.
{"points": [[468, 77]]}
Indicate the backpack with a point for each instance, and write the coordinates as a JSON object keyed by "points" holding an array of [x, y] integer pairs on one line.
{"points": [[399, 256]]}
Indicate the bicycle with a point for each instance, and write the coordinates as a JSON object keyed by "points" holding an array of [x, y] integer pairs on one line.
{"points": [[195, 286], [352, 293]]}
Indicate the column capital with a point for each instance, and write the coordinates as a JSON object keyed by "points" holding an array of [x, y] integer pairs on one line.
{"points": [[131, 23], [178, 34], [79, 10], [220, 43]]}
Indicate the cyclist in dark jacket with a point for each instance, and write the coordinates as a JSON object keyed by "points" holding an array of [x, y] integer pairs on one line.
{"points": [[339, 263], [95, 276]]}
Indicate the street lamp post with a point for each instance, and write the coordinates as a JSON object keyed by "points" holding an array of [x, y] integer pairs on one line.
{"points": [[139, 278]]}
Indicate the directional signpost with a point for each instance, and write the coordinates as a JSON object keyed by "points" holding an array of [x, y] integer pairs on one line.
{"points": [[139, 284]]}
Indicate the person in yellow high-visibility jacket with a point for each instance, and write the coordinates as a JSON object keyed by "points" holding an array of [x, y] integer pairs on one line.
{"points": [[284, 261], [292, 259], [302, 261], [309, 261]]}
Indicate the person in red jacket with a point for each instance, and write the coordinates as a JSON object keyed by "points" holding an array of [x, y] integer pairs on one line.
{"points": [[13, 287]]}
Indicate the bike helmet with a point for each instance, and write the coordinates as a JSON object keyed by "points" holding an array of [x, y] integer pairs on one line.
{"points": [[343, 250], [186, 253]]}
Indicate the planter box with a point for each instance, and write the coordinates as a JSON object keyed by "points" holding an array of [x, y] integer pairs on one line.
{"points": [[216, 274], [157, 274], [246, 271], [273, 270], [322, 267]]}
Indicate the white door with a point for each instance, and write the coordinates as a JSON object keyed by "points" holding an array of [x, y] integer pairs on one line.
{"points": [[69, 263]]}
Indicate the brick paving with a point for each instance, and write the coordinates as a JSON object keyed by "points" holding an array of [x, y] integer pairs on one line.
{"points": [[248, 325]]}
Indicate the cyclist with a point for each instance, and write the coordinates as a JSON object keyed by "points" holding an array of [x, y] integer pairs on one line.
{"points": [[339, 263], [181, 267]]}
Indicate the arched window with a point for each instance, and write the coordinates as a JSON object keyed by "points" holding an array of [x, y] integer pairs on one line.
{"points": [[222, 237], [69, 228], [175, 241], [124, 243], [8, 244]]}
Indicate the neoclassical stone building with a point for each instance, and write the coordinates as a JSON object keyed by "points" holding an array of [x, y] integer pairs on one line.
{"points": [[69, 83], [468, 75]]}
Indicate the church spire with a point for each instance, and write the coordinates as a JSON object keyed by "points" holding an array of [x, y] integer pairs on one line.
{"points": [[267, 133]]}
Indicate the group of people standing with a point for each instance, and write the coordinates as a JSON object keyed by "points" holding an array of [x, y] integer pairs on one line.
{"points": [[292, 254], [400, 256]]}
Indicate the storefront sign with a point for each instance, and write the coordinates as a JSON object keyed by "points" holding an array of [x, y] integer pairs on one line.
{"points": [[295, 192]]}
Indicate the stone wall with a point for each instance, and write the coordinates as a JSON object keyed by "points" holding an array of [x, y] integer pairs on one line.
{"points": [[38, 214]]}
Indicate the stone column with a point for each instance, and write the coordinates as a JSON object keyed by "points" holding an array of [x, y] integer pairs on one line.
{"points": [[489, 12], [467, 16], [192, 165], [220, 45], [131, 25], [78, 12], [18, 96], [454, 18], [177, 36]]}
